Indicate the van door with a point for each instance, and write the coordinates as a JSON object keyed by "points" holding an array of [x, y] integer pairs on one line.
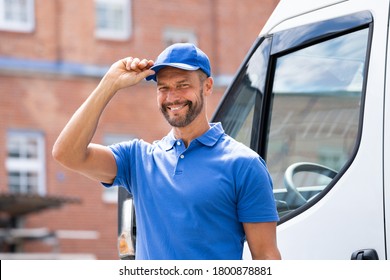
{"points": [[306, 99]]}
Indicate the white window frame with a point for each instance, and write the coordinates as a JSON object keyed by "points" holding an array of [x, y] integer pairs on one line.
{"points": [[25, 164], [27, 25], [124, 32]]}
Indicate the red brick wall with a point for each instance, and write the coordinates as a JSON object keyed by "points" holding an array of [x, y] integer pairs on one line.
{"points": [[64, 31], [44, 102]]}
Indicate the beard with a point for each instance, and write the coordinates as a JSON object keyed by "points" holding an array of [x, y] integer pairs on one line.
{"points": [[193, 110]]}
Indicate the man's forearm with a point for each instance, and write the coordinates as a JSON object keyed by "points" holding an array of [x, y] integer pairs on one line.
{"points": [[71, 147]]}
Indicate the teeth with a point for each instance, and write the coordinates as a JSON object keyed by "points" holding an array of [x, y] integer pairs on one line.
{"points": [[176, 108]]}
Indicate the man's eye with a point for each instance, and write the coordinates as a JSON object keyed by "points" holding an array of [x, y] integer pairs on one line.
{"points": [[183, 86]]}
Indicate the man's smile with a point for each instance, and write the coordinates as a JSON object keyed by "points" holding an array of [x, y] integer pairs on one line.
{"points": [[176, 107]]}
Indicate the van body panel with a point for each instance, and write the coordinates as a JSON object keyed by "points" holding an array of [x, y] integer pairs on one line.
{"points": [[289, 14], [292, 9]]}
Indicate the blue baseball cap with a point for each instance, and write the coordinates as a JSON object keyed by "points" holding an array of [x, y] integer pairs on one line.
{"points": [[184, 56]]}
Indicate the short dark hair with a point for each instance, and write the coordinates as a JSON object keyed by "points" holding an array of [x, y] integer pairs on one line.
{"points": [[202, 75]]}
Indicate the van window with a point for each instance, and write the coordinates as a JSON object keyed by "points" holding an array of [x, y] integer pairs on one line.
{"points": [[314, 116], [240, 110]]}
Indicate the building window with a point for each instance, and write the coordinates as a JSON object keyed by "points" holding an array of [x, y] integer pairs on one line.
{"points": [[113, 19], [110, 195], [17, 15], [25, 163], [176, 35]]}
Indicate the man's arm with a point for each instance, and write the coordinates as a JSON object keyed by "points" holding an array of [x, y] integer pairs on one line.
{"points": [[261, 239], [73, 148]]}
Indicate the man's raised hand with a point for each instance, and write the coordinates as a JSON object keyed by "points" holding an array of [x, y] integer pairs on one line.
{"points": [[128, 72]]}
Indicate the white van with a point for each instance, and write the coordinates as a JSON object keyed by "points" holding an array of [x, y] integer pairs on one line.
{"points": [[310, 98]]}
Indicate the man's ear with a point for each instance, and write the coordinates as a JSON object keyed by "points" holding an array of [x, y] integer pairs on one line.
{"points": [[208, 86]]}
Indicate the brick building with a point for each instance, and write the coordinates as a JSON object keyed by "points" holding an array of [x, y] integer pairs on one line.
{"points": [[52, 55]]}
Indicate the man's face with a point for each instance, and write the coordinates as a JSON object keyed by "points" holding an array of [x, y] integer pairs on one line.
{"points": [[179, 95]]}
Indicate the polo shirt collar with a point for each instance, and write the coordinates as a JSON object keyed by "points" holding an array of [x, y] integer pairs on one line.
{"points": [[212, 135], [209, 138]]}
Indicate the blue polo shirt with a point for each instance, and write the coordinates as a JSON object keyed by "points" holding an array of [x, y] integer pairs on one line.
{"points": [[190, 202]]}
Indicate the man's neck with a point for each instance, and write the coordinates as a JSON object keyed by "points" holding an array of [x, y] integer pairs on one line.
{"points": [[191, 131]]}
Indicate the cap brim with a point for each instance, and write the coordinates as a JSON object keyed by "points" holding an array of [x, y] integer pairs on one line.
{"points": [[158, 67]]}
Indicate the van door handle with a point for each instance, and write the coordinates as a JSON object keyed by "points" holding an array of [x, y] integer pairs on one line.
{"points": [[365, 254]]}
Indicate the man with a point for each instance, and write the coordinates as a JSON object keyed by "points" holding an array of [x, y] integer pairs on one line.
{"points": [[198, 193]]}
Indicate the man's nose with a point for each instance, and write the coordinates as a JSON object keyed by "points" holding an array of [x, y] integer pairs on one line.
{"points": [[172, 95]]}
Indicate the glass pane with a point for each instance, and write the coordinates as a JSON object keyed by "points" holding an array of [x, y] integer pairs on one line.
{"points": [[14, 182], [23, 182], [101, 17], [31, 148], [110, 16], [315, 116], [31, 182], [13, 148], [22, 146], [25, 162], [16, 10], [117, 18], [241, 108]]}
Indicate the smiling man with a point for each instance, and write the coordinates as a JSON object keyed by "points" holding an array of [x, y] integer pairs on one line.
{"points": [[198, 193]]}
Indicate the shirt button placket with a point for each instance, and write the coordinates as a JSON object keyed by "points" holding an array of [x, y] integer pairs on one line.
{"points": [[180, 150]]}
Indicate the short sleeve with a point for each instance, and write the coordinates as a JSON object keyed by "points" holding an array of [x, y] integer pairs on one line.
{"points": [[122, 155], [256, 201]]}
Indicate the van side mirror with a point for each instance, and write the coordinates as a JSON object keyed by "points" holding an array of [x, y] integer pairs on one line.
{"points": [[126, 226]]}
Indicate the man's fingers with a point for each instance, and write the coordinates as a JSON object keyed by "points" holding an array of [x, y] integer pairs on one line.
{"points": [[146, 73], [138, 65], [134, 64], [146, 64], [127, 62], [149, 64]]}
